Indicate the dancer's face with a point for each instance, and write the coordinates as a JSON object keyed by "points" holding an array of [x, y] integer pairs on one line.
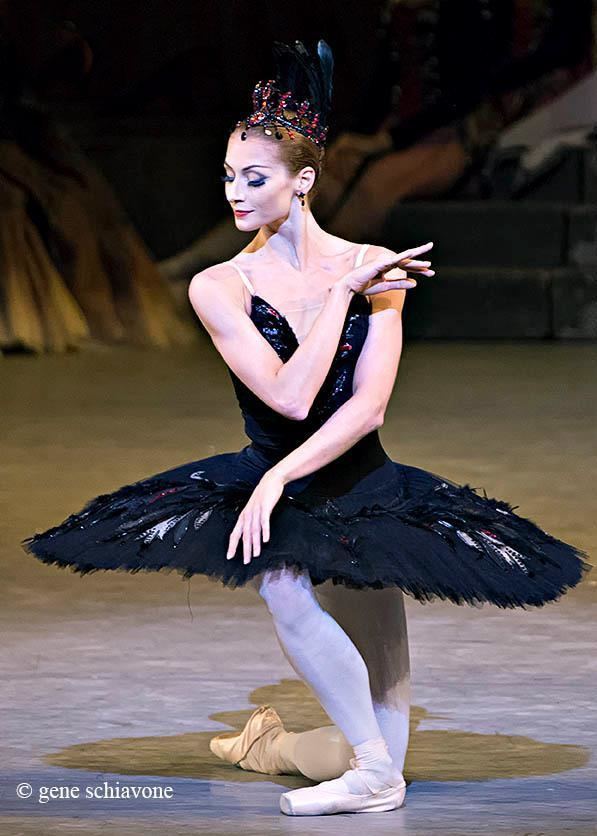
{"points": [[258, 182]]}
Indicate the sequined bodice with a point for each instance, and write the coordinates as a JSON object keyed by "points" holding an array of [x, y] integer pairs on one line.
{"points": [[268, 428]]}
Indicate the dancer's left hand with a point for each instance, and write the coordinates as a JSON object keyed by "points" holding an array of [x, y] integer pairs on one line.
{"points": [[253, 522]]}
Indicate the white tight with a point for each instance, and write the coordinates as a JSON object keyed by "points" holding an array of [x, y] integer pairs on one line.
{"points": [[351, 649]]}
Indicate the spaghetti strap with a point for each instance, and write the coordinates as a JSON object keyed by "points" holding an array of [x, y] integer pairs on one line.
{"points": [[244, 277], [250, 288], [360, 255]]}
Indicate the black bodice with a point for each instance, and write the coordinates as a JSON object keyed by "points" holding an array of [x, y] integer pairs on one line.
{"points": [[268, 429]]}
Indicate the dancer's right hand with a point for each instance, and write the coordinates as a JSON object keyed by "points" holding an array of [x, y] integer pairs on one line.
{"points": [[389, 271]]}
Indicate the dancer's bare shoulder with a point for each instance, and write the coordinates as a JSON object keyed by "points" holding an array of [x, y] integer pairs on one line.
{"points": [[217, 300], [216, 288]]}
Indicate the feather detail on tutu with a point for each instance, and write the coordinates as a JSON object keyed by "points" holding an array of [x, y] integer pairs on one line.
{"points": [[447, 542]]}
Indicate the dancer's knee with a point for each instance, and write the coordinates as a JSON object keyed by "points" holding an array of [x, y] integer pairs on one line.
{"points": [[288, 594]]}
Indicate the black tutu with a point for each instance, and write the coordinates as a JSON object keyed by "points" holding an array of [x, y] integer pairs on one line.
{"points": [[362, 520], [408, 528]]}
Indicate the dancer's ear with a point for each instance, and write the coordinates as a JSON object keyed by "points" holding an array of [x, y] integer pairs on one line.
{"points": [[305, 179]]}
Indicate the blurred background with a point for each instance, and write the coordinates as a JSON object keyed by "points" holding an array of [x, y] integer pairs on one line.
{"points": [[471, 124]]}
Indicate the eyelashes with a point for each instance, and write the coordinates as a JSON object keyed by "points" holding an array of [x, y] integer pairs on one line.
{"points": [[227, 178]]}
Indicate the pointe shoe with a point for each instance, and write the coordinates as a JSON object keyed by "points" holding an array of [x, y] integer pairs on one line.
{"points": [[378, 795], [239, 748]]}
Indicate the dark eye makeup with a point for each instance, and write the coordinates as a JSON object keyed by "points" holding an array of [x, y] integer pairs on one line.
{"points": [[227, 178]]}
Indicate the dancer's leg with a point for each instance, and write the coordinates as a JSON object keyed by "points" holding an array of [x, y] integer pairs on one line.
{"points": [[376, 624], [321, 653], [328, 661], [375, 620]]}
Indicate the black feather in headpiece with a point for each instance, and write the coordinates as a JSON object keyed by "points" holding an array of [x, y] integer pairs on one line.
{"points": [[300, 96]]}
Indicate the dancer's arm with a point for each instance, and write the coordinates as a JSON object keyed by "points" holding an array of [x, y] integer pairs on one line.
{"points": [[364, 411], [306, 369], [373, 383], [286, 387], [291, 387]]}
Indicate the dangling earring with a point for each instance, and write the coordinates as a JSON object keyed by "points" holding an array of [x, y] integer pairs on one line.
{"points": [[301, 197]]}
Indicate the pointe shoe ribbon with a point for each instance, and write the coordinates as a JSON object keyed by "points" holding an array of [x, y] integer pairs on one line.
{"points": [[239, 747]]}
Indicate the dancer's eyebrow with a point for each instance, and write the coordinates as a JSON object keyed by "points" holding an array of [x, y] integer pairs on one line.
{"points": [[249, 167]]}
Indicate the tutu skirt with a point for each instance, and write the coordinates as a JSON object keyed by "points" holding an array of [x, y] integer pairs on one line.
{"points": [[399, 525]]}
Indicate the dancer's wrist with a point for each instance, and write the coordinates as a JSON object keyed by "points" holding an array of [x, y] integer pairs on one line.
{"points": [[343, 290], [278, 472]]}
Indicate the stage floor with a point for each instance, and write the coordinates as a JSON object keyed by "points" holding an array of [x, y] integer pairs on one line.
{"points": [[113, 681]]}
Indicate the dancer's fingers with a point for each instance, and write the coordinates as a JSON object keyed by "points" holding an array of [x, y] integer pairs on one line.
{"points": [[398, 284], [410, 253], [265, 527], [234, 538], [417, 250], [246, 544], [412, 263], [256, 533]]}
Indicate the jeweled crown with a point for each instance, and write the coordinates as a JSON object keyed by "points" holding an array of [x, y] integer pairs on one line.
{"points": [[272, 107], [299, 97]]}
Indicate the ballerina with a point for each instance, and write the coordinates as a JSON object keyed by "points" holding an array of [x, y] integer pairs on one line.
{"points": [[309, 326]]}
